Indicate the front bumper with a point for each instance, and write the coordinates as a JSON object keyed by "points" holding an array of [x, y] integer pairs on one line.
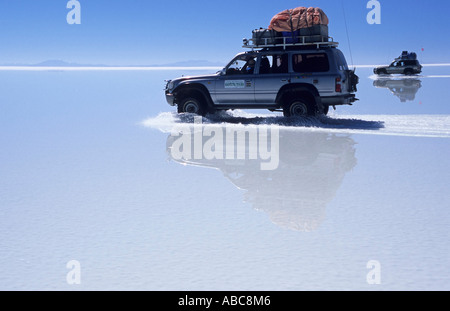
{"points": [[170, 98]]}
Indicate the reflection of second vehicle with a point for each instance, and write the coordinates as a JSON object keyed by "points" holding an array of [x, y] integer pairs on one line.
{"points": [[405, 89]]}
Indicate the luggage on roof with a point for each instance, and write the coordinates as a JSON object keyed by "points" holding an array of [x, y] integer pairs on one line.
{"points": [[407, 56], [264, 36], [298, 18], [299, 26]]}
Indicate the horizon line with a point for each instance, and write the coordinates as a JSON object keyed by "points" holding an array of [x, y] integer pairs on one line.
{"points": [[102, 68], [147, 68]]}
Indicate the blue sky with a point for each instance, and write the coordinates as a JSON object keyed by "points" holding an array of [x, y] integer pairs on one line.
{"points": [[143, 32]]}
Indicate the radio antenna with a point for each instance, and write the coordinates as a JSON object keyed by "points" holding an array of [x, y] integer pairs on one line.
{"points": [[348, 37]]}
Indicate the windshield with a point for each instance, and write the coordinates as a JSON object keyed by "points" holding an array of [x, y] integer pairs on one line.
{"points": [[242, 64]]}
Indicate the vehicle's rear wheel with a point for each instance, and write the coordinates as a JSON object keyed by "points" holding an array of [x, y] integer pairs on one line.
{"points": [[299, 108], [326, 109], [409, 72], [191, 105]]}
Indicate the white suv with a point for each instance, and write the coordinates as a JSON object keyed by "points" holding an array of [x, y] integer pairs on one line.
{"points": [[299, 81]]}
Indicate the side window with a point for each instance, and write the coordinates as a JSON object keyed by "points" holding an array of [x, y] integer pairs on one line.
{"points": [[265, 66], [314, 62], [274, 64], [280, 64], [340, 61]]}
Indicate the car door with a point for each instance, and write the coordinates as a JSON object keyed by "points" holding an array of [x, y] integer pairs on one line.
{"points": [[391, 68], [272, 74], [397, 68], [236, 83]]}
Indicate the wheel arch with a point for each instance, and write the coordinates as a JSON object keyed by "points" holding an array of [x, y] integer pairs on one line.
{"points": [[289, 90], [196, 90]]}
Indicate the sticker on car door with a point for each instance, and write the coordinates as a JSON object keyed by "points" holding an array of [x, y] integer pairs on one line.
{"points": [[234, 84]]}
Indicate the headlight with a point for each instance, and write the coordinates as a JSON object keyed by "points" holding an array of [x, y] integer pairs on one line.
{"points": [[169, 85]]}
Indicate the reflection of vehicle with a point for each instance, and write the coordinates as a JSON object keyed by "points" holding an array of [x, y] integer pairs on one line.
{"points": [[406, 64], [299, 80], [295, 194], [405, 89]]}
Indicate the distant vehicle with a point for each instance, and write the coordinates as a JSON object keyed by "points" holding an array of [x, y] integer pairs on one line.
{"points": [[406, 64], [299, 79]]}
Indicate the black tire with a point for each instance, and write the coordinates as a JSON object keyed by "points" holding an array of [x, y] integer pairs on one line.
{"points": [[299, 108], [409, 72], [191, 105], [326, 109]]}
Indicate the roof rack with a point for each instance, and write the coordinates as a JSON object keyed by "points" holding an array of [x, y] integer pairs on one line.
{"points": [[287, 42]]}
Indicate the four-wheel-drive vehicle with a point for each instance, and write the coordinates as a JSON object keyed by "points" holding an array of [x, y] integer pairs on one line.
{"points": [[406, 64], [298, 79]]}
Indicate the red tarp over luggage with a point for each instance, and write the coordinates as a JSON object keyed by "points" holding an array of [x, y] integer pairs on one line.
{"points": [[301, 17]]}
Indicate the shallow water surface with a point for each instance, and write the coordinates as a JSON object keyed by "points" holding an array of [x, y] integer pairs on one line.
{"points": [[96, 167]]}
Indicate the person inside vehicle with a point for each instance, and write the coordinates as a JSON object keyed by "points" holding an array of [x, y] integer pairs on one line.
{"points": [[265, 65], [249, 67], [280, 64]]}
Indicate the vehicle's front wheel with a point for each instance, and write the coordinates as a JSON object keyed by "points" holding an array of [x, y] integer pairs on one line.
{"points": [[191, 105], [299, 108], [382, 72]]}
